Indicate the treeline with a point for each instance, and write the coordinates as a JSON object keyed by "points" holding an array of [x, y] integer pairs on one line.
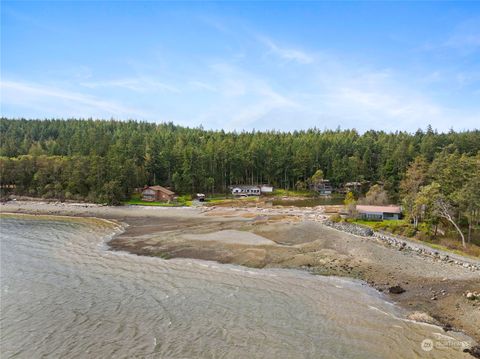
{"points": [[438, 196], [103, 161], [446, 190]]}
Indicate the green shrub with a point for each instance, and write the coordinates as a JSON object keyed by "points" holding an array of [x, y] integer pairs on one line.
{"points": [[409, 231], [423, 236], [336, 218], [425, 228]]}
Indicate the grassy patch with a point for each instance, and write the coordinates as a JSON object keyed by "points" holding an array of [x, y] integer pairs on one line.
{"points": [[180, 202], [138, 202], [400, 227], [218, 200], [291, 193], [218, 196], [403, 228], [454, 246]]}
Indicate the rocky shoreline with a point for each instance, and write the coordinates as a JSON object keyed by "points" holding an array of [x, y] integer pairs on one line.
{"points": [[404, 244]]}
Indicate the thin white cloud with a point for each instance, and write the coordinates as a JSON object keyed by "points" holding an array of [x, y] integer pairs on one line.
{"points": [[384, 99], [231, 94], [464, 39], [466, 36], [59, 102], [386, 106], [289, 54], [229, 80], [268, 102], [242, 100], [141, 84], [214, 23], [200, 85], [333, 93]]}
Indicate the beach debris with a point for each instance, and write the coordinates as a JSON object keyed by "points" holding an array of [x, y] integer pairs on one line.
{"points": [[473, 351], [447, 327], [472, 295], [422, 317], [396, 289]]}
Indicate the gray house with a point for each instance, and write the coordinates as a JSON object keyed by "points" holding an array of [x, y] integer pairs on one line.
{"points": [[379, 213], [323, 187]]}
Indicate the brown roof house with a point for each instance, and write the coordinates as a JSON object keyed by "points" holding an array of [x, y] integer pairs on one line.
{"points": [[157, 193]]}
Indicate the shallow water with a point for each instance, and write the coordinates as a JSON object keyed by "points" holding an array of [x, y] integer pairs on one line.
{"points": [[64, 295]]}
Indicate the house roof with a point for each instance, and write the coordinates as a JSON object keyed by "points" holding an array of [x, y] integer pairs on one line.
{"points": [[378, 209], [353, 184], [161, 189]]}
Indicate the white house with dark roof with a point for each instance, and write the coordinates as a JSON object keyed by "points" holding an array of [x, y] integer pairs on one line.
{"points": [[242, 190], [250, 190]]}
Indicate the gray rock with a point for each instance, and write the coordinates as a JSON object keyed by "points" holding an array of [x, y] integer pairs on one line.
{"points": [[396, 290]]}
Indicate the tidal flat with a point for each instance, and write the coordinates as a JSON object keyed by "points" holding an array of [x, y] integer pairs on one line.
{"points": [[270, 239]]}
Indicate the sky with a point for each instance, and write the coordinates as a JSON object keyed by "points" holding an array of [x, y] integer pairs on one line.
{"points": [[245, 65]]}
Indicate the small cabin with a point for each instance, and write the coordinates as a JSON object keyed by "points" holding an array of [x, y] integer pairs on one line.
{"points": [[265, 188], [378, 213], [157, 193]]}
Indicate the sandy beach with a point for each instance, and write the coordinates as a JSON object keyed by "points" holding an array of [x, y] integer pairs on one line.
{"points": [[288, 238]]}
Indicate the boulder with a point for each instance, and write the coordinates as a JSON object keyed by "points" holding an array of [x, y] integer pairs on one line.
{"points": [[396, 290], [473, 351]]}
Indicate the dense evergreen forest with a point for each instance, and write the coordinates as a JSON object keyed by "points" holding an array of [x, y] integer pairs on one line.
{"points": [[104, 161]]}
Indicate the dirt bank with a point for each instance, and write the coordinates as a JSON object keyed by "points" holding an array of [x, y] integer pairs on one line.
{"points": [[290, 238]]}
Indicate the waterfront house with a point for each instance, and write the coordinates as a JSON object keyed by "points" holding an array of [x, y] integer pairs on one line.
{"points": [[352, 187], [157, 193], [378, 213], [250, 190], [242, 190], [323, 187]]}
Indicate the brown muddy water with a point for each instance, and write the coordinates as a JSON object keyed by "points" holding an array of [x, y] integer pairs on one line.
{"points": [[65, 295]]}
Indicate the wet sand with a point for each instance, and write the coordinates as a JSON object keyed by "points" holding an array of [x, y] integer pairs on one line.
{"points": [[288, 238]]}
